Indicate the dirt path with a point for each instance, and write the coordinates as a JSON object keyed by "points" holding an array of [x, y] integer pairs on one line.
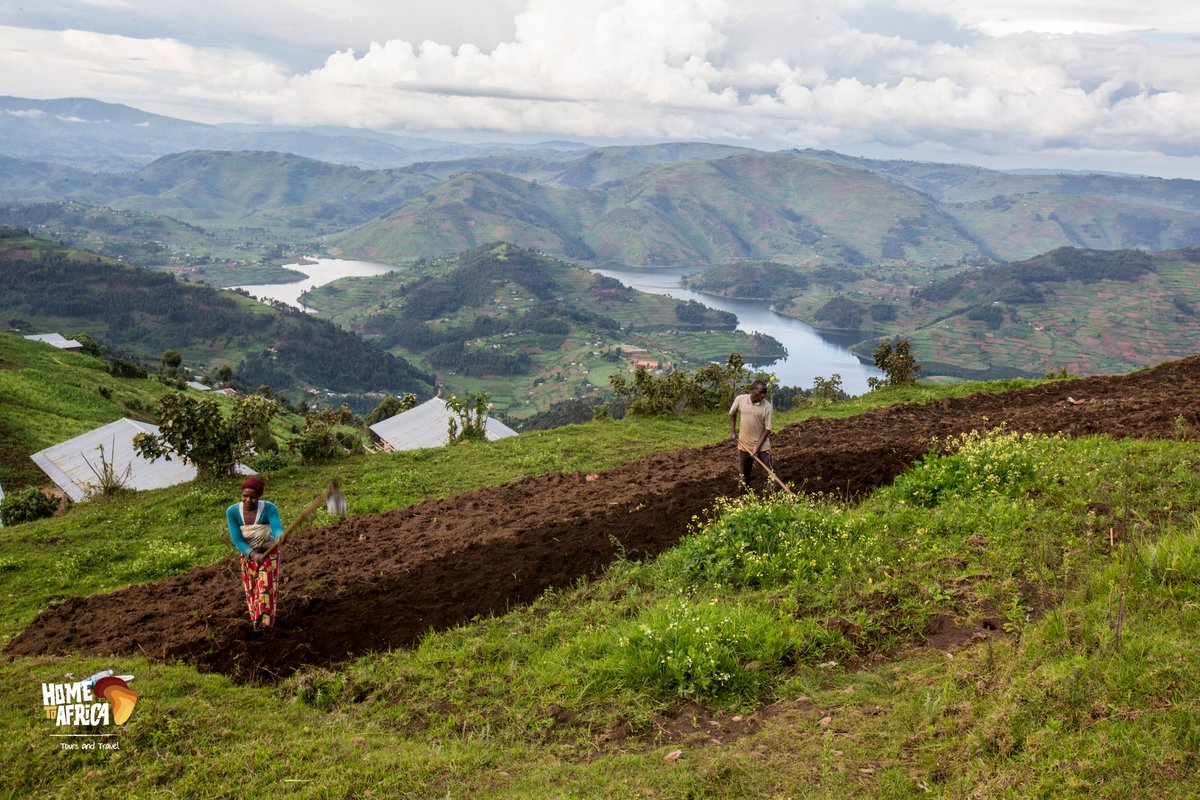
{"points": [[442, 562]]}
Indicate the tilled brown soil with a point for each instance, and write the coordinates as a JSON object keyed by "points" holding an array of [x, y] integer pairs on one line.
{"points": [[379, 581]]}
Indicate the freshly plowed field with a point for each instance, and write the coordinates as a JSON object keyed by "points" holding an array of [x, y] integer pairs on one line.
{"points": [[379, 581]]}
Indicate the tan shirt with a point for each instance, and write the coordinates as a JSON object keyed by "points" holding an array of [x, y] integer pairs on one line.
{"points": [[756, 418]]}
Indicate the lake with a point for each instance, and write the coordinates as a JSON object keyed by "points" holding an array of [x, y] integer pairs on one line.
{"points": [[810, 354], [325, 270]]}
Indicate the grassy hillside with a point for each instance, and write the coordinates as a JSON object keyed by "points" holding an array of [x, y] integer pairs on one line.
{"points": [[784, 649], [743, 206], [253, 192], [468, 211], [1089, 312], [48, 395], [798, 208], [154, 241], [663, 204], [51, 288]]}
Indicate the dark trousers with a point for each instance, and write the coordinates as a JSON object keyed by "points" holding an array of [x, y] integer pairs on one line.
{"points": [[746, 460]]}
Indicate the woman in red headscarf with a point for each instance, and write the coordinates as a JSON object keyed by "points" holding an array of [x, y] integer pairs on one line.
{"points": [[254, 526]]}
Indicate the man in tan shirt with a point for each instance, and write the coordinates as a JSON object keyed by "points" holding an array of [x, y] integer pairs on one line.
{"points": [[754, 434]]}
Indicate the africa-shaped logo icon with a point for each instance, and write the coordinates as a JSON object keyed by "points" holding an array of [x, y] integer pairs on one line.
{"points": [[117, 692]]}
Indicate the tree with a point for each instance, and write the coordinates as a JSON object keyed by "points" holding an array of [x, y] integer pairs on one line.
{"points": [[91, 346], [827, 390], [469, 423], [318, 441], [897, 362], [712, 386], [194, 429], [389, 407], [171, 359]]}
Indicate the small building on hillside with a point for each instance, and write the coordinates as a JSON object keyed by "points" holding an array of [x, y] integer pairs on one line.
{"points": [[428, 425], [57, 340], [198, 386], [73, 464]]}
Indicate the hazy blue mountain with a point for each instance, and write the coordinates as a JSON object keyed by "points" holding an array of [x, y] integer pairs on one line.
{"points": [[108, 136]]}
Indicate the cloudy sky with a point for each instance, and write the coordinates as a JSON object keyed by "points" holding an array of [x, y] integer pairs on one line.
{"points": [[1082, 84]]}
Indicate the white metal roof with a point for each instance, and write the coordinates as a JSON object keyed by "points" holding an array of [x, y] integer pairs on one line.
{"points": [[1, 499], [55, 339], [428, 425], [67, 463], [199, 386]]}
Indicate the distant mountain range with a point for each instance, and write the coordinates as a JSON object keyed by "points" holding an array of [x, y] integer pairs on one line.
{"points": [[91, 134], [817, 232], [665, 204]]}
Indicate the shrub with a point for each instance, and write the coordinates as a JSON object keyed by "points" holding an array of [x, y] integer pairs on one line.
{"points": [[690, 649], [124, 368], [318, 441], [768, 542], [711, 387], [108, 480], [997, 463], [27, 506], [389, 407], [268, 462], [468, 422]]}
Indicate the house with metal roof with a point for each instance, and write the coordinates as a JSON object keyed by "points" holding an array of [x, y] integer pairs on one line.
{"points": [[56, 340], [428, 425], [73, 464]]}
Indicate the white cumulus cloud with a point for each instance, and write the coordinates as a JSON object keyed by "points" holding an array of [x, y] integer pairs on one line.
{"points": [[984, 78]]}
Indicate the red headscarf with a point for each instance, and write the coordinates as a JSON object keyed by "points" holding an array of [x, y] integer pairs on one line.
{"points": [[256, 483]]}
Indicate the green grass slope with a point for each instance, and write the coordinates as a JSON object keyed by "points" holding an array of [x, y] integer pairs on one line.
{"points": [[48, 395], [779, 206], [470, 210], [1087, 311], [271, 190], [52, 288], [787, 648]]}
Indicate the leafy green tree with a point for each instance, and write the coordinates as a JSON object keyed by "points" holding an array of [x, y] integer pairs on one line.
{"points": [[91, 346], [711, 387], [194, 428], [827, 390], [897, 362], [318, 441], [389, 407], [125, 368], [469, 420], [171, 360]]}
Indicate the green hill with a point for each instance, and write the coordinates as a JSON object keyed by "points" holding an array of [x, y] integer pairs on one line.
{"points": [[1086, 311], [744, 206], [470, 210], [662, 204], [48, 287]]}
